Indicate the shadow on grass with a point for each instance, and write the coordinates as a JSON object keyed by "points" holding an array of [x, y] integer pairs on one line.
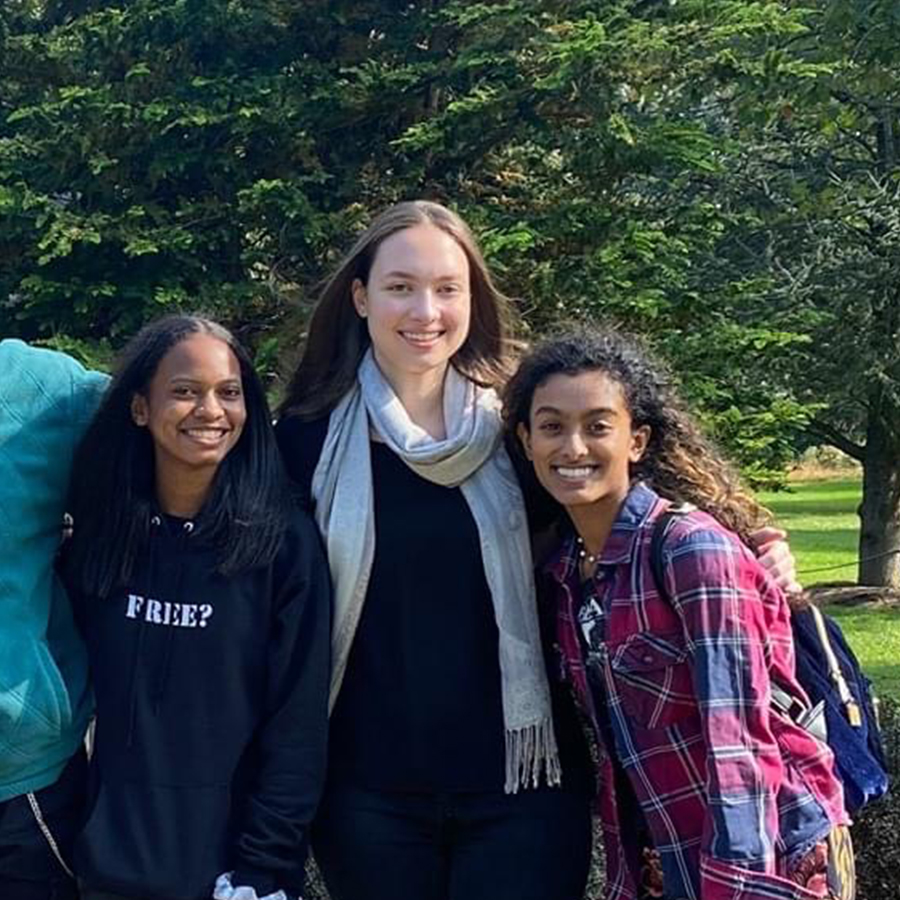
{"points": [[833, 506], [826, 539]]}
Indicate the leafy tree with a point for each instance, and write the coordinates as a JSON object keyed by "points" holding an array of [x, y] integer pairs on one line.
{"points": [[814, 192], [160, 155], [717, 174]]}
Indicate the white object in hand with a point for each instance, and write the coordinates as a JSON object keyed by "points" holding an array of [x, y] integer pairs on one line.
{"points": [[225, 890]]}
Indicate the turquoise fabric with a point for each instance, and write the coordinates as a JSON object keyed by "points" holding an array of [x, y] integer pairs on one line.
{"points": [[46, 401]]}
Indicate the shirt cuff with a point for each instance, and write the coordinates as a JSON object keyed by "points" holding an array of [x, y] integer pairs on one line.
{"points": [[725, 881]]}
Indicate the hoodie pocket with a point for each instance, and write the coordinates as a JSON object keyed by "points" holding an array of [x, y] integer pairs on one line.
{"points": [[653, 679], [155, 841]]}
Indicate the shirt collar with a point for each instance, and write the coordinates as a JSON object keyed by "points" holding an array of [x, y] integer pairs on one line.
{"points": [[619, 546]]}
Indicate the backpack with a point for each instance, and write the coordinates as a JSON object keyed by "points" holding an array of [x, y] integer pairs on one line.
{"points": [[844, 708]]}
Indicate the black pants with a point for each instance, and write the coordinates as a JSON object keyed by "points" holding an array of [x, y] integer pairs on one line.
{"points": [[29, 867], [534, 845], [88, 894]]}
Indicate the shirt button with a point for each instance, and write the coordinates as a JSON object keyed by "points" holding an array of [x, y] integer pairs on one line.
{"points": [[647, 660]]}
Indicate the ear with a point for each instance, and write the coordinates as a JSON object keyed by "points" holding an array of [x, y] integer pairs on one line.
{"points": [[524, 436], [140, 413], [358, 292], [640, 437]]}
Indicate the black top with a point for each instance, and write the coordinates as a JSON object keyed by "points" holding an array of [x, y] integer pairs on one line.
{"points": [[211, 693], [420, 707]]}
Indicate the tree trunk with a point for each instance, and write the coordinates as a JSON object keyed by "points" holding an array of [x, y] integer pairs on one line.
{"points": [[879, 511]]}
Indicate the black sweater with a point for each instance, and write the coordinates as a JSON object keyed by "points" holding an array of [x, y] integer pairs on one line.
{"points": [[420, 708], [211, 719]]}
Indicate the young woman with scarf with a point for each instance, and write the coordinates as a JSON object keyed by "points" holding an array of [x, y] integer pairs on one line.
{"points": [[443, 779], [444, 767], [203, 594], [707, 790]]}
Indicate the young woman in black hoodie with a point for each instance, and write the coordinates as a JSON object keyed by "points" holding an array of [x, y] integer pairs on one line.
{"points": [[204, 597]]}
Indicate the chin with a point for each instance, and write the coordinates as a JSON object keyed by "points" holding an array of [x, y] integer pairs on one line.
{"points": [[206, 461]]}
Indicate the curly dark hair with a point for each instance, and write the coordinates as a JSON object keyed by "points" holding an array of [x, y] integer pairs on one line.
{"points": [[680, 462]]}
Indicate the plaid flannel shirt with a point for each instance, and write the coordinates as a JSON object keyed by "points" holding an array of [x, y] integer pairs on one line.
{"points": [[732, 793]]}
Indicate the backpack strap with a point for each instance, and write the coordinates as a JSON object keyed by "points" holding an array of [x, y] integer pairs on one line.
{"points": [[661, 528], [835, 673]]}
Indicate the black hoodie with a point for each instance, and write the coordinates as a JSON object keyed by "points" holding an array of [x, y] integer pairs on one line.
{"points": [[212, 694]]}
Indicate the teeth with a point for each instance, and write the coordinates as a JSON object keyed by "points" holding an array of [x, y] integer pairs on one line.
{"points": [[206, 432], [421, 335], [574, 471]]}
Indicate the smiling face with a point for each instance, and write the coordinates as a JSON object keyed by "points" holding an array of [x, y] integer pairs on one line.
{"points": [[194, 407], [581, 439], [417, 302]]}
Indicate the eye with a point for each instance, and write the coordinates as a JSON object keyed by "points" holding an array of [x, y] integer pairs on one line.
{"points": [[232, 392], [398, 287], [598, 427], [450, 290], [549, 427], [182, 390]]}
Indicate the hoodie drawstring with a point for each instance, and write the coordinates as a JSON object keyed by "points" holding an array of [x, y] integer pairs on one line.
{"points": [[155, 523], [162, 680]]}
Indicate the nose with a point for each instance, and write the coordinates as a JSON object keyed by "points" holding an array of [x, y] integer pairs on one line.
{"points": [[424, 305], [208, 406], [574, 443]]}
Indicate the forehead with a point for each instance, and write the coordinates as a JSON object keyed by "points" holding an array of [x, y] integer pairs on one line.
{"points": [[201, 357], [581, 393], [421, 250]]}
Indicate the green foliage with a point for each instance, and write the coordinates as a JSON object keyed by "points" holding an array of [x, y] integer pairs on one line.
{"points": [[153, 157], [707, 172]]}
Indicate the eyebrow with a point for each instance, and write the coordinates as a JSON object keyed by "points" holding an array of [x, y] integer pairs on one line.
{"points": [[599, 411], [458, 276], [186, 379]]}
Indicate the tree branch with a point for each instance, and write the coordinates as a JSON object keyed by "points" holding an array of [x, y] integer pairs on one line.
{"points": [[828, 433]]}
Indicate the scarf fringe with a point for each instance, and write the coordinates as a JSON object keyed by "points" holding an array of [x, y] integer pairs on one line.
{"points": [[528, 751]]}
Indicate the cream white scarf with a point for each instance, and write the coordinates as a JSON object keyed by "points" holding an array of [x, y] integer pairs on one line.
{"points": [[473, 458]]}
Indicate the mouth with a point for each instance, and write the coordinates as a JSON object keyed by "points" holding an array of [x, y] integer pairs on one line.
{"points": [[574, 473], [423, 339], [207, 436]]}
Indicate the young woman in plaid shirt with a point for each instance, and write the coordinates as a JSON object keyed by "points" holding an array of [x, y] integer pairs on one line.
{"points": [[705, 791]]}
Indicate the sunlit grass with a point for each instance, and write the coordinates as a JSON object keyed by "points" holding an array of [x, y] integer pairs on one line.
{"points": [[821, 518], [823, 527]]}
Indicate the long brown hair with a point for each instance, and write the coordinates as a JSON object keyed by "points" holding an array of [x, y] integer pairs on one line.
{"points": [[680, 463], [338, 337]]}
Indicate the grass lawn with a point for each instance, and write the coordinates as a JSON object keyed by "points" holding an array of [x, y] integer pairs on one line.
{"points": [[820, 516]]}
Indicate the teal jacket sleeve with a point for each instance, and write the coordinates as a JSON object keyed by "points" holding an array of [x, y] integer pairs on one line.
{"points": [[46, 402]]}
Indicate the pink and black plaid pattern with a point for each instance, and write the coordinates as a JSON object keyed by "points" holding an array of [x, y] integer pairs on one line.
{"points": [[733, 794]]}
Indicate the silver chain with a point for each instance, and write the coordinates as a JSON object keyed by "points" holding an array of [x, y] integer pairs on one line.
{"points": [[48, 835]]}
